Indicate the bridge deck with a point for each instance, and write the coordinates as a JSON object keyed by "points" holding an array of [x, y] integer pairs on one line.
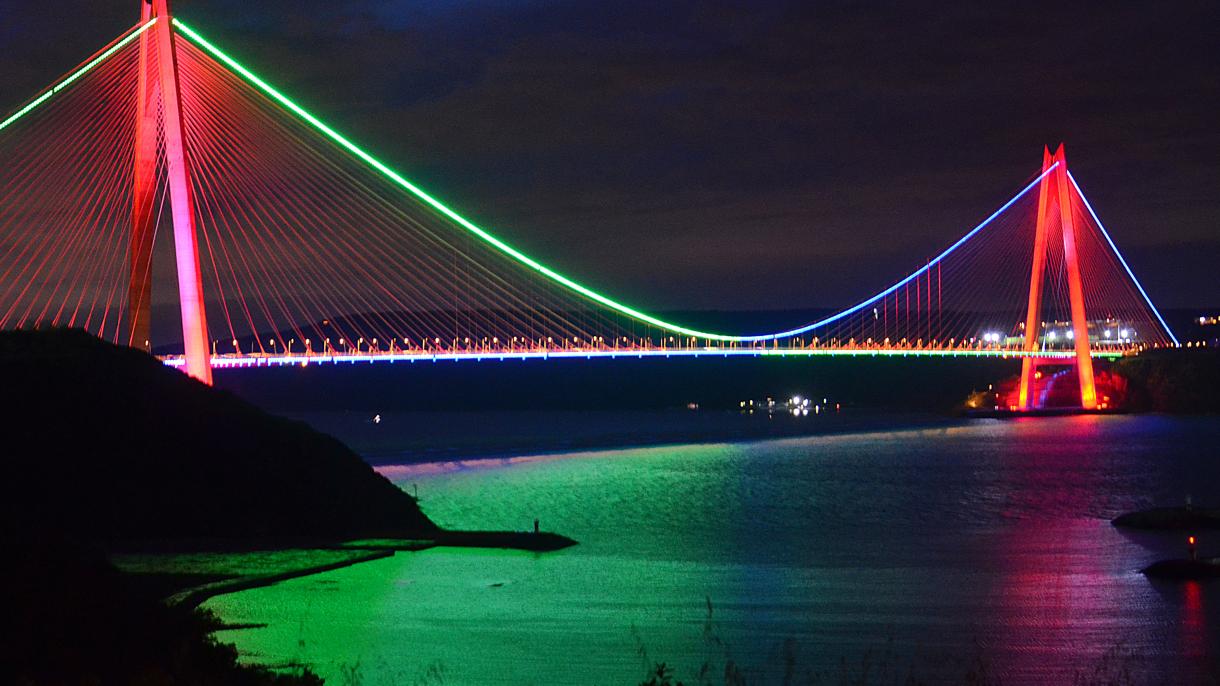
{"points": [[410, 356]]}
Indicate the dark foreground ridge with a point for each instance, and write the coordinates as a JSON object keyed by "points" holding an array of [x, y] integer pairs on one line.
{"points": [[106, 444], [116, 447], [106, 449], [112, 458]]}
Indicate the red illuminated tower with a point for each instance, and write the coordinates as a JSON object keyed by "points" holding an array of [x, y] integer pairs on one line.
{"points": [[1054, 189], [158, 84]]}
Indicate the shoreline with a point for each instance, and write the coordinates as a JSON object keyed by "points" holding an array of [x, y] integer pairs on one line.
{"points": [[389, 468], [385, 464], [195, 596], [392, 470], [362, 550]]}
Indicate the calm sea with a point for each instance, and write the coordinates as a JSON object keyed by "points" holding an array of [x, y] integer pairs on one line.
{"points": [[946, 548]]}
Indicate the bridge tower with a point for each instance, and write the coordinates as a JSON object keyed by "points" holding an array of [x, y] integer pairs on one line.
{"points": [[158, 83], [1054, 189]]}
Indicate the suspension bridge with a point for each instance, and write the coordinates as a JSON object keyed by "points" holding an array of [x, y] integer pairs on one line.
{"points": [[161, 160]]}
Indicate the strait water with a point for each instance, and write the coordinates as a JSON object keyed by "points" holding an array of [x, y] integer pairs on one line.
{"points": [[977, 547]]}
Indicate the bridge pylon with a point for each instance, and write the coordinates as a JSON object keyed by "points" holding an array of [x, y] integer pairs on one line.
{"points": [[1054, 191], [163, 86]]}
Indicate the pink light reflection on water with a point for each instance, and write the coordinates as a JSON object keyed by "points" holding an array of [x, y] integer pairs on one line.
{"points": [[1194, 636], [1069, 590]]}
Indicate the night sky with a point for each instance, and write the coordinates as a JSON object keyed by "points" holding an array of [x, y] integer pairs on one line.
{"points": [[741, 155]]}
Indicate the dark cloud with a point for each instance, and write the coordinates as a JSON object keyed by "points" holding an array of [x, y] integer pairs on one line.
{"points": [[686, 154]]}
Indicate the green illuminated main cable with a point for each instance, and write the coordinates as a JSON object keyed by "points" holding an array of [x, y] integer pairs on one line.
{"points": [[67, 80], [530, 262], [440, 207]]}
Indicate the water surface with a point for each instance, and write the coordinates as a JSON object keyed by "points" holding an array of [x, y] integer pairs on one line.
{"points": [[984, 545]]}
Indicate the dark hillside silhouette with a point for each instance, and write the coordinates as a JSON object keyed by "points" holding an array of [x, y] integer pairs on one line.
{"points": [[105, 443]]}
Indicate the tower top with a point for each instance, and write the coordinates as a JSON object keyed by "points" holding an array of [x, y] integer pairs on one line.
{"points": [[1060, 155], [153, 8]]}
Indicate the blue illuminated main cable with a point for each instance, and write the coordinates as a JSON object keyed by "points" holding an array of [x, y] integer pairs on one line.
{"points": [[914, 274]]}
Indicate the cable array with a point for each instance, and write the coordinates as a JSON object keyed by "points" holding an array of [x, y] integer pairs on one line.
{"points": [[308, 245], [65, 203]]}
